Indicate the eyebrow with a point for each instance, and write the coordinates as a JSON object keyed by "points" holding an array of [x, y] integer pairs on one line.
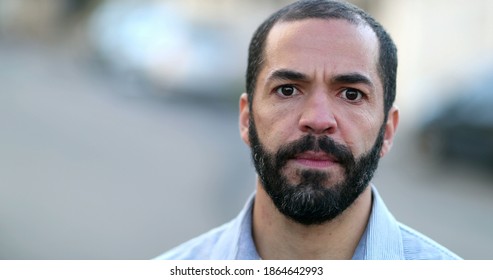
{"points": [[349, 78], [353, 78], [286, 74]]}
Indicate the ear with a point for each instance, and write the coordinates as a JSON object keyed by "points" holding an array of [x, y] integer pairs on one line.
{"points": [[390, 128], [244, 118]]}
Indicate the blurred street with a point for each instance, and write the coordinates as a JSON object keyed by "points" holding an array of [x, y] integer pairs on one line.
{"points": [[90, 168], [98, 165], [93, 169]]}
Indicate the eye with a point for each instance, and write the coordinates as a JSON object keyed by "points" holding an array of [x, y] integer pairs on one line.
{"points": [[286, 90], [352, 94]]}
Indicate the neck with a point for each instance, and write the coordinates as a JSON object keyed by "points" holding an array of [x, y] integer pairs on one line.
{"points": [[278, 237]]}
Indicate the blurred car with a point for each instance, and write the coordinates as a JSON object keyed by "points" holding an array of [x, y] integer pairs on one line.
{"points": [[159, 43], [463, 129]]}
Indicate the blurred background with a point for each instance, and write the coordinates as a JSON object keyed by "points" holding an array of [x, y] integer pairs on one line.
{"points": [[119, 129]]}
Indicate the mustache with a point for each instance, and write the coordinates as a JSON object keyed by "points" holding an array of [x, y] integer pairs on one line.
{"points": [[316, 144]]}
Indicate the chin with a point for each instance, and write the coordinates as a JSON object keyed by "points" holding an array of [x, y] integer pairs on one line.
{"points": [[326, 179]]}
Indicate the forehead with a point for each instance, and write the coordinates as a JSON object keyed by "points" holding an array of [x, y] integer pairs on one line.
{"points": [[333, 46]]}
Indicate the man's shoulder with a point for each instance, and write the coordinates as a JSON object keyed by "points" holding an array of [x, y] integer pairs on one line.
{"points": [[220, 243], [418, 246], [198, 248]]}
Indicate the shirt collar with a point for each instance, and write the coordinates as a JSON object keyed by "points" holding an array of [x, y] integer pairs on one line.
{"points": [[246, 246], [237, 242], [380, 240], [383, 236]]}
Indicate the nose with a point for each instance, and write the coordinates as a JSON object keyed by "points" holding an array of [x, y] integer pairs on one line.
{"points": [[317, 116]]}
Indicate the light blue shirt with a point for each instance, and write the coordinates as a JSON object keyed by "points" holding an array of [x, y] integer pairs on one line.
{"points": [[384, 239]]}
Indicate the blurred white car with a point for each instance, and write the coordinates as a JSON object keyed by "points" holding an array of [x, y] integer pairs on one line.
{"points": [[154, 40]]}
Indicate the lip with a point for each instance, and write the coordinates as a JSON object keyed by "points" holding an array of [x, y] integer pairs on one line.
{"points": [[316, 160]]}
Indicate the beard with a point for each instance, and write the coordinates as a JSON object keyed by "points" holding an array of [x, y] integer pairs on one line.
{"points": [[311, 201]]}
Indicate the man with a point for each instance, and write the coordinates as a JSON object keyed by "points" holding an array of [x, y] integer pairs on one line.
{"points": [[318, 114]]}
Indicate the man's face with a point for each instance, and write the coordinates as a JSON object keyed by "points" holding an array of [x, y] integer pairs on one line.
{"points": [[316, 127]]}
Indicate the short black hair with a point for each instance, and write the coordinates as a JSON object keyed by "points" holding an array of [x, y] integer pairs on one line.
{"points": [[325, 9]]}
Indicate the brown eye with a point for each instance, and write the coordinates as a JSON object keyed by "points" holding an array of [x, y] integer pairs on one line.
{"points": [[352, 94], [286, 91]]}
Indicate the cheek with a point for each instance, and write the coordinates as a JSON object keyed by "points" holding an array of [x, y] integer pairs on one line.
{"points": [[274, 126], [372, 136], [360, 130]]}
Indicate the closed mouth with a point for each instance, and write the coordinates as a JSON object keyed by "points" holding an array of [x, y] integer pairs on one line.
{"points": [[315, 159]]}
